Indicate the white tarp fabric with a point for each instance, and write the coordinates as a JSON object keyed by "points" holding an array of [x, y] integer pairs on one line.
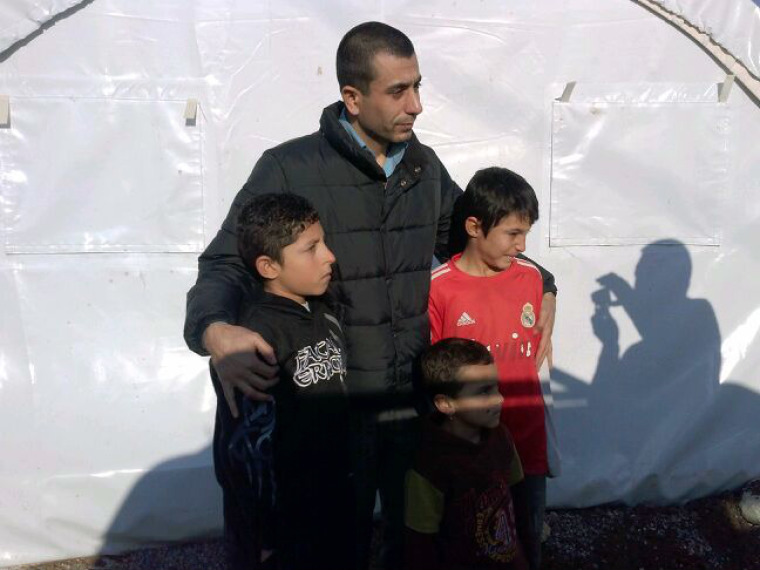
{"points": [[19, 18], [66, 209], [734, 25], [594, 208], [649, 215]]}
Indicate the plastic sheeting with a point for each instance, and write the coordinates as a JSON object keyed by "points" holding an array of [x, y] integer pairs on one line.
{"points": [[675, 191], [139, 191], [734, 25], [649, 210], [19, 18]]}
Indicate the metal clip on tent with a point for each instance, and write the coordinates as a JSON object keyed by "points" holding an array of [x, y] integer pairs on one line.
{"points": [[565, 97], [724, 89], [5, 112], [191, 112]]}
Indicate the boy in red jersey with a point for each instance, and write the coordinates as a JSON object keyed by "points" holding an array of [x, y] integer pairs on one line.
{"points": [[488, 295]]}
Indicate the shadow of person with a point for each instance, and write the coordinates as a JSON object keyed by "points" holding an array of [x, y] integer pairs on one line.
{"points": [[178, 500], [655, 424], [657, 389]]}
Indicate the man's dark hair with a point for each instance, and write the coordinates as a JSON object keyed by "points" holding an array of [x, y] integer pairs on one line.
{"points": [[441, 362], [358, 48], [269, 223], [492, 194]]}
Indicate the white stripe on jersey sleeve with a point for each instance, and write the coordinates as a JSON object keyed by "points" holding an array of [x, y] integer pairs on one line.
{"points": [[526, 263], [440, 270]]}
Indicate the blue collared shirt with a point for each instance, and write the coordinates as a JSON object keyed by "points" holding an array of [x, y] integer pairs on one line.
{"points": [[393, 155]]}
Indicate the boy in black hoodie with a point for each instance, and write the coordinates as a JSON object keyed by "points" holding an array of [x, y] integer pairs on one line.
{"points": [[284, 464]]}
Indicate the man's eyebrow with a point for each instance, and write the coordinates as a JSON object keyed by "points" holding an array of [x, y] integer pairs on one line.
{"points": [[404, 84]]}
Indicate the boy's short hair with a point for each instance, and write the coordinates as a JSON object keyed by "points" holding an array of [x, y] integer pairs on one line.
{"points": [[491, 195], [360, 45], [440, 364], [269, 223]]}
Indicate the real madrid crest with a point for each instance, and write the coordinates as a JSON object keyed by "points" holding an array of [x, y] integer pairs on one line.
{"points": [[528, 317]]}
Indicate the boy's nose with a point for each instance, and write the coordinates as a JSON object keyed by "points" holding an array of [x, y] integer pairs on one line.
{"points": [[494, 401]]}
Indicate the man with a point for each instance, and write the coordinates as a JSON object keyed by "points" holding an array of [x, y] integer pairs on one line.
{"points": [[385, 201]]}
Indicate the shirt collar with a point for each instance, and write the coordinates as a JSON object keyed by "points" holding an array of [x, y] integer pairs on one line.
{"points": [[393, 155]]}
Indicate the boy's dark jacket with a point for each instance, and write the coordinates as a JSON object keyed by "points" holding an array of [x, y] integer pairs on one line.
{"points": [[286, 474], [312, 408], [382, 230]]}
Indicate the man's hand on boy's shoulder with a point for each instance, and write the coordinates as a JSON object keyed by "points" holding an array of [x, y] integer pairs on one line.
{"points": [[545, 327], [243, 360]]}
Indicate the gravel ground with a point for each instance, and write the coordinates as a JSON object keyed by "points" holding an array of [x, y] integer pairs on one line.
{"points": [[707, 534]]}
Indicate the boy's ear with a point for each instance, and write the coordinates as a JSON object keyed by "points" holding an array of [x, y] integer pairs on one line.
{"points": [[267, 267], [444, 404], [472, 226], [351, 99]]}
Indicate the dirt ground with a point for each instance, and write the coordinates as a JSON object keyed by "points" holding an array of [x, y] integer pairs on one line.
{"points": [[707, 534]]}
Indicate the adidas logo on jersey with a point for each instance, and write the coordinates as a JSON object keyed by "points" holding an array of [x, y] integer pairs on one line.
{"points": [[465, 320]]}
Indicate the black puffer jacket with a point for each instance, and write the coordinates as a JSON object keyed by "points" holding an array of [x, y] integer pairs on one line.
{"points": [[383, 233]]}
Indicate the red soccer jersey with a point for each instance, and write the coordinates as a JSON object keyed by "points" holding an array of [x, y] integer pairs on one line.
{"points": [[500, 312]]}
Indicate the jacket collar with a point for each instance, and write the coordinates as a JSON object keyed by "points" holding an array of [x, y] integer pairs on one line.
{"points": [[330, 301], [283, 304], [330, 127]]}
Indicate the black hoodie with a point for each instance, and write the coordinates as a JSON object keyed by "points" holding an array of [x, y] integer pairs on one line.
{"points": [[286, 471], [311, 402]]}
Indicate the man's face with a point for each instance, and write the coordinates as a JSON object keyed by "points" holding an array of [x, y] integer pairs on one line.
{"points": [[478, 403], [305, 270], [504, 240], [386, 113]]}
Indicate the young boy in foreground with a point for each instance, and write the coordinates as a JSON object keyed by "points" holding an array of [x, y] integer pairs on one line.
{"points": [[284, 465], [459, 512], [489, 295]]}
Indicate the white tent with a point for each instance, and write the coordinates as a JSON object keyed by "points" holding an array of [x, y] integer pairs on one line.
{"points": [[126, 127]]}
